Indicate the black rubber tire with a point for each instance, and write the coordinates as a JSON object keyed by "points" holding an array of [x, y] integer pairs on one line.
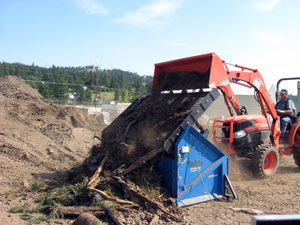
{"points": [[296, 148], [258, 160], [244, 110]]}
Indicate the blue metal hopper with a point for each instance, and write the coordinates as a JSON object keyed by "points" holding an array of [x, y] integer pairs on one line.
{"points": [[198, 171]]}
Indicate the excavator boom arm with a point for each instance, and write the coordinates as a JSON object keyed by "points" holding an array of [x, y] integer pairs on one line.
{"points": [[253, 80], [209, 71]]}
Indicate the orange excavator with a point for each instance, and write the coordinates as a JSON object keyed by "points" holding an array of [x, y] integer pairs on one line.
{"points": [[250, 136]]}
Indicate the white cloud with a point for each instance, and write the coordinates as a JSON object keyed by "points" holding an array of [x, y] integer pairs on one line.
{"points": [[155, 13], [265, 5], [91, 6], [277, 58]]}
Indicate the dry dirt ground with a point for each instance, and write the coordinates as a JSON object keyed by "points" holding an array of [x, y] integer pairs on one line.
{"points": [[38, 140], [277, 195]]}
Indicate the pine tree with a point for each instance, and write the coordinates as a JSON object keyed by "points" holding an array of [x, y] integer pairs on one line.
{"points": [[117, 94]]}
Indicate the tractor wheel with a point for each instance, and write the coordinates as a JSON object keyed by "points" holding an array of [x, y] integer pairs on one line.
{"points": [[265, 161], [296, 148]]}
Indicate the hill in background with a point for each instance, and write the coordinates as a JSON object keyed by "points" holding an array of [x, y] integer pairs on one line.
{"points": [[78, 85]]}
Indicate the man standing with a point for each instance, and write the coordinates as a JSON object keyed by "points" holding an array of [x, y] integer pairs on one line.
{"points": [[286, 110]]}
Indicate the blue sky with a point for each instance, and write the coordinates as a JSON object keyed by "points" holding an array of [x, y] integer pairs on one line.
{"points": [[133, 35]]}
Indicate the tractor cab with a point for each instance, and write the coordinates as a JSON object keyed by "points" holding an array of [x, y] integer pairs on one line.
{"points": [[295, 100]]}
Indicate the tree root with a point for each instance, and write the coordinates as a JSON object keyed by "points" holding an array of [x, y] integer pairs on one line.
{"points": [[142, 160], [112, 212], [114, 199], [77, 210], [95, 179], [153, 203], [154, 220]]}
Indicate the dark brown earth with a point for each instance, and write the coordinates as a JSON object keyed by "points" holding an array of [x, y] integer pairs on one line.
{"points": [[135, 133], [153, 118], [181, 81]]}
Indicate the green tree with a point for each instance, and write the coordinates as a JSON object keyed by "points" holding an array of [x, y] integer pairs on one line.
{"points": [[44, 90], [138, 87], [79, 93], [125, 96], [87, 95], [61, 90], [117, 94]]}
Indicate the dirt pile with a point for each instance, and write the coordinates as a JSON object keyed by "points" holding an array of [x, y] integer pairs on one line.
{"points": [[36, 136], [131, 147], [149, 121], [144, 126]]}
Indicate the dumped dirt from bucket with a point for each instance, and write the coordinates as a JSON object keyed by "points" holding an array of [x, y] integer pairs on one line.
{"points": [[144, 126], [150, 120], [182, 81]]}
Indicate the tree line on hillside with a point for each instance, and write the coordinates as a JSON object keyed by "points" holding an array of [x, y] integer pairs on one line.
{"points": [[80, 83]]}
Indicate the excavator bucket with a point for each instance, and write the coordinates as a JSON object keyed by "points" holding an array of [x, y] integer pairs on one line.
{"points": [[182, 91], [203, 71]]}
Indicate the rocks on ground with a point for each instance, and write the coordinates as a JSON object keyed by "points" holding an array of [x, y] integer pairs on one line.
{"points": [[87, 219]]}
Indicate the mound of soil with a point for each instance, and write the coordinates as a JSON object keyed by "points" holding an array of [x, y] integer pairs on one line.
{"points": [[147, 123], [36, 136], [133, 143]]}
